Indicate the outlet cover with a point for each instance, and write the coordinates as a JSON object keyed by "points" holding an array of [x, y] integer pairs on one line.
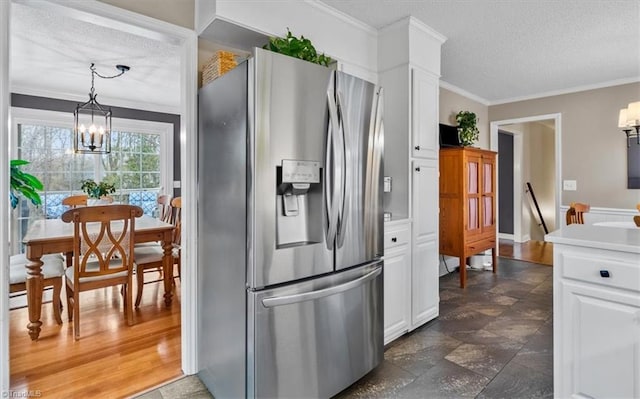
{"points": [[569, 185]]}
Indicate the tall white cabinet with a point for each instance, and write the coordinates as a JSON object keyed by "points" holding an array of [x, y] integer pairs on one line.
{"points": [[409, 72]]}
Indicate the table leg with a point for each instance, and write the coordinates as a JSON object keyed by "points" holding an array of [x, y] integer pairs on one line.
{"points": [[167, 267], [34, 293]]}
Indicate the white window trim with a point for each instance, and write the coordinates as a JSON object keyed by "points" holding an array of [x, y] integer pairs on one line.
{"points": [[32, 116]]}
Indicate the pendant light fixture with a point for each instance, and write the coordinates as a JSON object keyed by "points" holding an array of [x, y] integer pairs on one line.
{"points": [[92, 121]]}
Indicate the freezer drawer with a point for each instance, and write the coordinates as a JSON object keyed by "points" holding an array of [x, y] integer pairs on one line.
{"points": [[314, 339]]}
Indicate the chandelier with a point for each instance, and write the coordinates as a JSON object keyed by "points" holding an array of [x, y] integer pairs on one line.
{"points": [[629, 120], [92, 121]]}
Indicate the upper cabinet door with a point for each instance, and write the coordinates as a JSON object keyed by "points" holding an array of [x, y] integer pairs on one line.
{"points": [[472, 191], [488, 192], [424, 114]]}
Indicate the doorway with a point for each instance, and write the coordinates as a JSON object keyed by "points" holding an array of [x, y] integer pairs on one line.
{"points": [[536, 159], [108, 16]]}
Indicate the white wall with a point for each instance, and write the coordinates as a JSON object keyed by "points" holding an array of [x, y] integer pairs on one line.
{"points": [[348, 40]]}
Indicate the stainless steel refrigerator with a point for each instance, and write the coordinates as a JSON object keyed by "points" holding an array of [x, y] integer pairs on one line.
{"points": [[290, 230]]}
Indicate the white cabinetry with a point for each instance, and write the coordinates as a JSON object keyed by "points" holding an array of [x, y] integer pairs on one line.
{"points": [[397, 277], [424, 267], [424, 114], [409, 72], [596, 316]]}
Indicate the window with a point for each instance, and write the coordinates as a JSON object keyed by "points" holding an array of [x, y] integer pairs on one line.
{"points": [[140, 163]]}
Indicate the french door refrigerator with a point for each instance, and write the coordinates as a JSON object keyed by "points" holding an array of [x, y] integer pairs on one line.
{"points": [[290, 232]]}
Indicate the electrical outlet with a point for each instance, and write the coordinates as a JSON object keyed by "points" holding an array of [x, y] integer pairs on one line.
{"points": [[569, 185], [387, 184]]}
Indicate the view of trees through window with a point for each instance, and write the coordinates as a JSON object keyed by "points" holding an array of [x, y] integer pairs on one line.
{"points": [[132, 166]]}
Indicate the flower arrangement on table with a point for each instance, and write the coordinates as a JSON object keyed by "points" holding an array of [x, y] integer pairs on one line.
{"points": [[97, 190]]}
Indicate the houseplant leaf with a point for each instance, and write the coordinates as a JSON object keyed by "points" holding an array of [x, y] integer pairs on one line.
{"points": [[467, 127], [23, 184], [301, 48]]}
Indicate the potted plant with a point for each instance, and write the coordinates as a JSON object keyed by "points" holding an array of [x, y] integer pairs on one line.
{"points": [[97, 190], [298, 48], [467, 129], [23, 184]]}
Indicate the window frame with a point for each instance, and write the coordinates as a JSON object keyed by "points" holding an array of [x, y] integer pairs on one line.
{"points": [[33, 116]]}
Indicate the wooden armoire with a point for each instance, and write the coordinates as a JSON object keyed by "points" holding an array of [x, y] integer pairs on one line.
{"points": [[467, 204]]}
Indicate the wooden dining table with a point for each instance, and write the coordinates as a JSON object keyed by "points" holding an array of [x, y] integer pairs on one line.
{"points": [[51, 236]]}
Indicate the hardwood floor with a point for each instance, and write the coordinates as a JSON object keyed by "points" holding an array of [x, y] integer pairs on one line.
{"points": [[531, 251], [110, 360]]}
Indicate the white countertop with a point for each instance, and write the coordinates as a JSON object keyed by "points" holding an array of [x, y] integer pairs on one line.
{"points": [[602, 237], [625, 225]]}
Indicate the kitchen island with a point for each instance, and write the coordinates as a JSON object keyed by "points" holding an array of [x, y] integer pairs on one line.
{"points": [[596, 312]]}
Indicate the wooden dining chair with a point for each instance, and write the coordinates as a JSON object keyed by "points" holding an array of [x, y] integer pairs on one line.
{"points": [[74, 201], [176, 204], [52, 271], [636, 220], [102, 254], [164, 208], [164, 214], [575, 213], [150, 257]]}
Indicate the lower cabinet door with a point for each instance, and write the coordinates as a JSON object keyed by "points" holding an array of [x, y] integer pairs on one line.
{"points": [[596, 343], [424, 283], [397, 298]]}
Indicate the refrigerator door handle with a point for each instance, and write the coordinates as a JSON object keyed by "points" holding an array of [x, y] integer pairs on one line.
{"points": [[330, 191], [345, 187], [378, 133], [313, 295]]}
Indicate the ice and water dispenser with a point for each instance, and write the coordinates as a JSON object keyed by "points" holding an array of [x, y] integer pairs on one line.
{"points": [[299, 203]]}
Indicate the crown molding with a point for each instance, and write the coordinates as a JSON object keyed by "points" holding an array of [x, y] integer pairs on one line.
{"points": [[571, 90], [343, 17], [109, 101], [464, 93], [416, 23]]}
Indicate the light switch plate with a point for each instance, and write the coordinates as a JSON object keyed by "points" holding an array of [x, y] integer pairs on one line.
{"points": [[569, 185], [176, 184]]}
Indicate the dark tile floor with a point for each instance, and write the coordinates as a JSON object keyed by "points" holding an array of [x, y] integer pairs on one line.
{"points": [[493, 339]]}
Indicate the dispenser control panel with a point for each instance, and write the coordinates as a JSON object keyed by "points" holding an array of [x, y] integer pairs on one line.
{"points": [[296, 171]]}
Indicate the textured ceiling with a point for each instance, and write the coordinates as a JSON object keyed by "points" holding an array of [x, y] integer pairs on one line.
{"points": [[51, 55], [497, 50], [502, 50]]}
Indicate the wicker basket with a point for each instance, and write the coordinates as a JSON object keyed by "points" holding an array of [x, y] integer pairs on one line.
{"points": [[219, 64]]}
